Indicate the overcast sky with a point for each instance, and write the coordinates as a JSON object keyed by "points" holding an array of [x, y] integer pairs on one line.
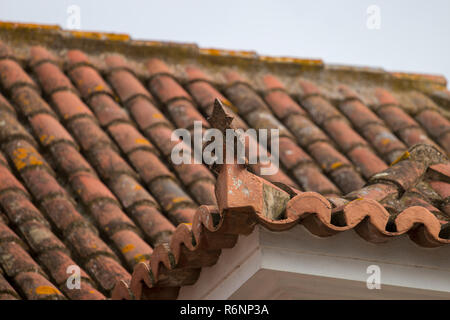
{"points": [[395, 35]]}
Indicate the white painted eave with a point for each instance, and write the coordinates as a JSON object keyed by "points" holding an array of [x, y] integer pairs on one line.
{"points": [[295, 264]]}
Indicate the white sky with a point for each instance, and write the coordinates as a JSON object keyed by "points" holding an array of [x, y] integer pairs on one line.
{"points": [[413, 36]]}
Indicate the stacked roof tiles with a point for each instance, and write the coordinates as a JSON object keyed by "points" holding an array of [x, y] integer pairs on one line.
{"points": [[87, 180]]}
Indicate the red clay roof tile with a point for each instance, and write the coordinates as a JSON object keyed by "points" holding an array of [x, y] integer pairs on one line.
{"points": [[235, 207], [80, 151], [5, 105], [29, 102], [69, 106], [7, 291], [13, 76], [125, 83]]}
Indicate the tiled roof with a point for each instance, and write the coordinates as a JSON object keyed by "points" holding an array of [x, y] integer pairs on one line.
{"points": [[86, 179]]}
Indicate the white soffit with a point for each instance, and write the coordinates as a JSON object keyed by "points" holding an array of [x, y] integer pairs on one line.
{"points": [[295, 264]]}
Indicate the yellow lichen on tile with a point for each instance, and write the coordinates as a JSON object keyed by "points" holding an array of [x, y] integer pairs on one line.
{"points": [[45, 139], [174, 201], [100, 35], [20, 153], [404, 156], [233, 53], [47, 290], [230, 105], [140, 258], [23, 157], [300, 61], [17, 25], [419, 77], [142, 141], [336, 165], [35, 161], [128, 248]]}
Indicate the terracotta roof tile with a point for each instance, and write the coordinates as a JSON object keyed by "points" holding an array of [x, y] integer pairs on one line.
{"points": [[333, 122], [13, 75], [402, 124], [87, 180], [196, 177], [7, 291], [233, 208], [312, 138], [26, 157], [27, 274], [204, 92], [5, 105]]}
